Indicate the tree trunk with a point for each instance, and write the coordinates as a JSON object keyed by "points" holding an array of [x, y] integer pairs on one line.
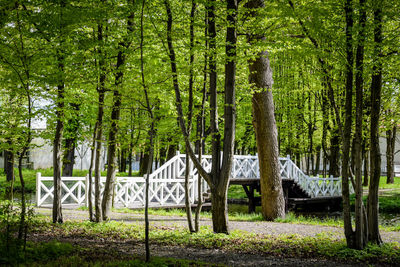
{"points": [[334, 153], [187, 196], [70, 143], [90, 175], [69, 157], [144, 163], [366, 168], [123, 161], [115, 117], [272, 199], [346, 138], [317, 161], [99, 126], [9, 164], [57, 153], [361, 234], [111, 155], [376, 87], [390, 146]]}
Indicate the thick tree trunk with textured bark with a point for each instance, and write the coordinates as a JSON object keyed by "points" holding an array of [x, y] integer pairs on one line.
{"points": [[376, 87], [272, 199]]}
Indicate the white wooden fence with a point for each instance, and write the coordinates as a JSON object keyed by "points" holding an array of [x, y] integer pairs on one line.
{"points": [[167, 183]]}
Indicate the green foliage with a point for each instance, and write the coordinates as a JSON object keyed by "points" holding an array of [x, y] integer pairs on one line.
{"points": [[13, 248]]}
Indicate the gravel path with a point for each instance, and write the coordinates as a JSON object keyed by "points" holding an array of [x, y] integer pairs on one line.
{"points": [[271, 228]]}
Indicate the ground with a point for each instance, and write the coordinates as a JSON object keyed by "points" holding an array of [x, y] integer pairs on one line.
{"points": [[109, 248]]}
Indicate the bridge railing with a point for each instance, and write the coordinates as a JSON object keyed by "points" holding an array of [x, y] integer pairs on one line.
{"points": [[167, 183]]}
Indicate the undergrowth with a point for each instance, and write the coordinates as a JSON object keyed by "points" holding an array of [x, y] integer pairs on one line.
{"points": [[324, 245]]}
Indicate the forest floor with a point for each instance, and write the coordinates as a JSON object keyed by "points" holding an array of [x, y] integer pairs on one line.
{"points": [[108, 248]]}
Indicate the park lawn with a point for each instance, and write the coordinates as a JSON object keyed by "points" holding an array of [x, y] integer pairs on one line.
{"points": [[323, 246]]}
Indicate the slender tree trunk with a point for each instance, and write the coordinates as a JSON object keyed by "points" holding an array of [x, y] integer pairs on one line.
{"points": [[57, 210], [99, 128], [334, 152], [89, 190], [115, 117], [390, 147], [348, 229], [9, 163], [272, 199], [189, 119], [219, 177], [366, 168], [361, 234], [112, 153], [144, 163], [151, 135], [317, 161], [376, 87], [187, 196]]}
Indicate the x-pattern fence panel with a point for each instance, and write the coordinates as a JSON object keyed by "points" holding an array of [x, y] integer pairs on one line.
{"points": [[167, 183]]}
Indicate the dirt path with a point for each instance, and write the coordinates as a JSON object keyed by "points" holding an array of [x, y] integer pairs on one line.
{"points": [[271, 228]]}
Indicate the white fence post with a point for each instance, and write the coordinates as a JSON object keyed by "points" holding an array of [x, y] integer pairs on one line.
{"points": [[38, 187]]}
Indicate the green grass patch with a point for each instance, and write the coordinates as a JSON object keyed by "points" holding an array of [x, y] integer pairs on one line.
{"points": [[300, 219], [233, 213], [323, 246]]}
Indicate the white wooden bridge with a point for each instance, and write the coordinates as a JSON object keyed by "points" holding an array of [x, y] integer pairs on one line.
{"points": [[167, 183]]}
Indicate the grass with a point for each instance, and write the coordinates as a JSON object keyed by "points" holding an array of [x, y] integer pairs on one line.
{"points": [[55, 253], [323, 246]]}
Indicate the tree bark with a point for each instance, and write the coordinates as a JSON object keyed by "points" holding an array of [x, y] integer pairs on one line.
{"points": [[70, 142], [99, 127], [115, 117], [9, 163], [376, 87], [272, 199], [90, 175], [366, 168], [390, 147], [144, 163], [219, 177], [57, 211], [112, 150], [348, 229], [361, 234], [57, 142]]}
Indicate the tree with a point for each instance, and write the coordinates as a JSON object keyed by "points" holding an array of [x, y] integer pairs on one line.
{"points": [[218, 178], [272, 200], [376, 87]]}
